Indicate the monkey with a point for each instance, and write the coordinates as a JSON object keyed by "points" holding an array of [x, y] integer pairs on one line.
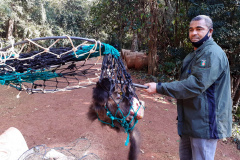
{"points": [[104, 98]]}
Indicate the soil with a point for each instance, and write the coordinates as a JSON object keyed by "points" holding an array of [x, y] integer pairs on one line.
{"points": [[57, 119]]}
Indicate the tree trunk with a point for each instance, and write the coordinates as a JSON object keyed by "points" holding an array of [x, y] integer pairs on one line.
{"points": [[176, 26], [235, 92], [152, 44], [10, 28], [43, 13], [134, 46], [235, 85], [236, 99]]}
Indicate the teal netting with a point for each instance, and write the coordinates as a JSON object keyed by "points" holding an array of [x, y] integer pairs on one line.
{"points": [[127, 125], [28, 77]]}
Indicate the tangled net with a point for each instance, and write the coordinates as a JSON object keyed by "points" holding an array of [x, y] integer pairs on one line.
{"points": [[35, 68], [76, 150]]}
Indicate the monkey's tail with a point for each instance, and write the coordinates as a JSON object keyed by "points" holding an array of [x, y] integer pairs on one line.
{"points": [[135, 141]]}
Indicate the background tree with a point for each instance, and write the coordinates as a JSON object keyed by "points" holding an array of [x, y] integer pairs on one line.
{"points": [[39, 18], [152, 53], [118, 22]]}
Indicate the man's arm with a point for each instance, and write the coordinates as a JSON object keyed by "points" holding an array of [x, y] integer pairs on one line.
{"points": [[200, 79]]}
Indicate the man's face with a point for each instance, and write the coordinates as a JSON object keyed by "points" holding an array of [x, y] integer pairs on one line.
{"points": [[197, 30]]}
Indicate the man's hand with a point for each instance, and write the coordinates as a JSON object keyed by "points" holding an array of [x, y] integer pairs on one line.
{"points": [[152, 87]]}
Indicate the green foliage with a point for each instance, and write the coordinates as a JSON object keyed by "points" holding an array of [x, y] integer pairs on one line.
{"points": [[173, 43], [118, 18], [70, 16], [40, 18], [237, 114], [170, 64], [5, 13]]}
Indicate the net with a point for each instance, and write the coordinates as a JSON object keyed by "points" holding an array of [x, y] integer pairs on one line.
{"points": [[35, 68]]}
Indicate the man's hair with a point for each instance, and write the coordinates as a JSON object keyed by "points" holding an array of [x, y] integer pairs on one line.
{"points": [[207, 19]]}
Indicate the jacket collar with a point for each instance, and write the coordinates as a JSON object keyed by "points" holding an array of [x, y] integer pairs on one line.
{"points": [[206, 43]]}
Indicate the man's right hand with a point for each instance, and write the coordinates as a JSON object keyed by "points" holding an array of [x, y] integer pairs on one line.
{"points": [[152, 87]]}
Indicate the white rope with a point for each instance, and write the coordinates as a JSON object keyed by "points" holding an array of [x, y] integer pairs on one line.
{"points": [[11, 54]]}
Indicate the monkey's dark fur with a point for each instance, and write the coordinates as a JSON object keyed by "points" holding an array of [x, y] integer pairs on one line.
{"points": [[103, 95]]}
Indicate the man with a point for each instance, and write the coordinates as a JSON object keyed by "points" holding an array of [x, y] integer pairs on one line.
{"points": [[203, 94]]}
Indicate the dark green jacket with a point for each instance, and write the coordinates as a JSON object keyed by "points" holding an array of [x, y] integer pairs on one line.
{"points": [[203, 93]]}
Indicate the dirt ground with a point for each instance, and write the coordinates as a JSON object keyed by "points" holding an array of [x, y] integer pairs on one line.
{"points": [[57, 119]]}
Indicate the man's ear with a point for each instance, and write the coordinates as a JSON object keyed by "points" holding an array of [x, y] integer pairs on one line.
{"points": [[210, 32]]}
